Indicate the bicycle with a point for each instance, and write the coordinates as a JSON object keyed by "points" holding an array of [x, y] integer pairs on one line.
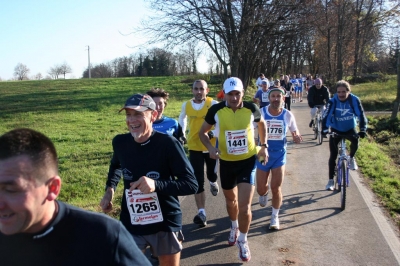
{"points": [[342, 180], [317, 125]]}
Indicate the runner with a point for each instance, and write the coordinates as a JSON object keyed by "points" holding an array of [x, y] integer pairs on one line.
{"points": [[164, 123], [194, 110], [237, 153], [278, 120], [155, 172]]}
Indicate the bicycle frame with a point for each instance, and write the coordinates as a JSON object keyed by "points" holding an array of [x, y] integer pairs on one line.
{"points": [[318, 124], [343, 157]]}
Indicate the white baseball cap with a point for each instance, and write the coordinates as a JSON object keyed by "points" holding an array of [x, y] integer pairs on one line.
{"points": [[233, 84]]}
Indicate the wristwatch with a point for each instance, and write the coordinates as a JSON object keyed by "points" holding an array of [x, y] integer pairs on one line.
{"points": [[264, 145]]}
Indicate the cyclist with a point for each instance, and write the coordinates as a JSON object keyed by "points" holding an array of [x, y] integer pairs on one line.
{"points": [[278, 120], [318, 94], [341, 115]]}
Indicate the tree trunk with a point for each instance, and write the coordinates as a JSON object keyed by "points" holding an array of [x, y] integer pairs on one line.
{"points": [[397, 101]]}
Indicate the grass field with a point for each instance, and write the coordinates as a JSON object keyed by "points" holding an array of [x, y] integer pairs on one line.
{"points": [[81, 117]]}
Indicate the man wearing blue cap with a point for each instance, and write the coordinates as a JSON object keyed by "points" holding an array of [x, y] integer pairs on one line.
{"points": [[237, 154], [155, 171], [261, 96]]}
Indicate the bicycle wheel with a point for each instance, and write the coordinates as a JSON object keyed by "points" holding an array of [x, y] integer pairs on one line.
{"points": [[319, 129], [315, 128], [343, 184]]}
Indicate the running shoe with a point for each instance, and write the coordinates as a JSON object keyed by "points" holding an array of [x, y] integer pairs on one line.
{"points": [[233, 235], [263, 200], [311, 123], [244, 251], [274, 222], [353, 164], [200, 219], [330, 185], [214, 189]]}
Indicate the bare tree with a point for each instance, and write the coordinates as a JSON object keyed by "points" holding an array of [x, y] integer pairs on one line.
{"points": [[55, 71], [21, 71], [39, 76], [65, 69], [237, 29]]}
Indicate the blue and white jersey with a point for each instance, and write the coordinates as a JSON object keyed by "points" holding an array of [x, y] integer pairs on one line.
{"points": [[299, 83], [168, 126], [294, 82], [277, 127], [343, 116]]}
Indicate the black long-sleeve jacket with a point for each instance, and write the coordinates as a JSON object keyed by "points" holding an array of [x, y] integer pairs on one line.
{"points": [[163, 159]]}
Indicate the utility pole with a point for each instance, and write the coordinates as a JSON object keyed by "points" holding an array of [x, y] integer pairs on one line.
{"points": [[88, 50]]}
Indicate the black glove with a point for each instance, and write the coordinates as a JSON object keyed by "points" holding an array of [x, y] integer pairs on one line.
{"points": [[362, 134], [210, 134]]}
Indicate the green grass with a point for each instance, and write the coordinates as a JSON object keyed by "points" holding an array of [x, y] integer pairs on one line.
{"points": [[377, 95], [81, 117]]}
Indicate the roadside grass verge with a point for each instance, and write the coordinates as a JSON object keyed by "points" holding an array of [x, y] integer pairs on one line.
{"points": [[382, 174]]}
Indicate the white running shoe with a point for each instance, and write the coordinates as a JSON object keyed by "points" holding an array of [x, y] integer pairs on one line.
{"points": [[263, 200], [244, 251], [233, 235], [214, 189], [353, 164], [330, 185], [274, 222]]}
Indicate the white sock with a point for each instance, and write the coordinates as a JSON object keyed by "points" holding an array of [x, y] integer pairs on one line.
{"points": [[202, 211], [213, 183], [242, 237], [275, 211], [235, 224]]}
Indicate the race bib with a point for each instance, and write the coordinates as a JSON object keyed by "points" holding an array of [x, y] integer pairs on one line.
{"points": [[264, 97], [275, 130], [143, 208], [236, 141]]}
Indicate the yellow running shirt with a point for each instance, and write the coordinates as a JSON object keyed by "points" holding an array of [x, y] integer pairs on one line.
{"points": [[236, 131], [195, 121]]}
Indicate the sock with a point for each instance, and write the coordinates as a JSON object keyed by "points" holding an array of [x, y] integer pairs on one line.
{"points": [[275, 211], [235, 224], [242, 237], [202, 211], [213, 183]]}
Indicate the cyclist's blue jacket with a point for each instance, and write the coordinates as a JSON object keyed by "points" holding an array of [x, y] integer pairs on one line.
{"points": [[342, 116]]}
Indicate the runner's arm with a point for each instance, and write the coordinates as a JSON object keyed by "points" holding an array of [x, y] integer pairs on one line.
{"points": [[183, 119]]}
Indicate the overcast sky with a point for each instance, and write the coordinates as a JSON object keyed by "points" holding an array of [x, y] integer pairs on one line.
{"points": [[42, 33]]}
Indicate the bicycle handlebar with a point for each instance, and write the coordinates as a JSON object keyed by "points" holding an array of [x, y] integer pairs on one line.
{"points": [[336, 135]]}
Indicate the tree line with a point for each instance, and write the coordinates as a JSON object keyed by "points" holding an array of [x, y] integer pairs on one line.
{"points": [[22, 71], [153, 62], [334, 38]]}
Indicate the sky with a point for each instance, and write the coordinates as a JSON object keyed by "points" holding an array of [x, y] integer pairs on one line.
{"points": [[42, 34]]}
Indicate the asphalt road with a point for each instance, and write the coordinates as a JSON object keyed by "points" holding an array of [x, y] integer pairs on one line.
{"points": [[314, 231]]}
